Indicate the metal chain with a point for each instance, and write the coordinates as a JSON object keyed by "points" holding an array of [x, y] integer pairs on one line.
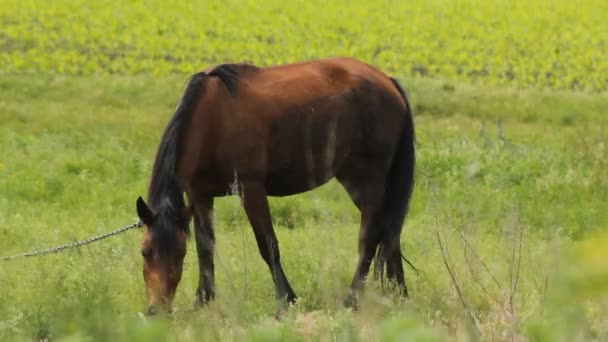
{"points": [[76, 243]]}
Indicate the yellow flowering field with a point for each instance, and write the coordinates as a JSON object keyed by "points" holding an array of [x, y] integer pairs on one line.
{"points": [[536, 43]]}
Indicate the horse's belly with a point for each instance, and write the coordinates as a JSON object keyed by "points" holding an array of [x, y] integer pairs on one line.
{"points": [[295, 181], [304, 158]]}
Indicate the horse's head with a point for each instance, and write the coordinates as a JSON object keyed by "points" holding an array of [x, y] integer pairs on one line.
{"points": [[163, 249]]}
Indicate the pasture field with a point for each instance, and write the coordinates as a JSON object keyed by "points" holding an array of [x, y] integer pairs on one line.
{"points": [[509, 218], [554, 44]]}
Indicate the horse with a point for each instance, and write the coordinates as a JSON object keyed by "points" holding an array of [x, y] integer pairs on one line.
{"points": [[278, 130]]}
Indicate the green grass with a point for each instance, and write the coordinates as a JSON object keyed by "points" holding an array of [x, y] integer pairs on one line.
{"points": [[78, 151]]}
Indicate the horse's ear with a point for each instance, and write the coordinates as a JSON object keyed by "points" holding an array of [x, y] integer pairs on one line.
{"points": [[144, 213]]}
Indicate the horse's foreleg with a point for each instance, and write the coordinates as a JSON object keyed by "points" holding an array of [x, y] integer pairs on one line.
{"points": [[258, 213], [205, 242]]}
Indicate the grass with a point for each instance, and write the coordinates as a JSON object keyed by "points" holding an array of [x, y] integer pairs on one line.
{"points": [[498, 168]]}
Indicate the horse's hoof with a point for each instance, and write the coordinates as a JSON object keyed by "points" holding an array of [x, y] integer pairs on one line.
{"points": [[202, 300], [199, 303], [350, 301], [196, 304]]}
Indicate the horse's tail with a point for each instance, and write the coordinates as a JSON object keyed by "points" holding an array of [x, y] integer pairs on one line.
{"points": [[400, 184], [399, 189]]}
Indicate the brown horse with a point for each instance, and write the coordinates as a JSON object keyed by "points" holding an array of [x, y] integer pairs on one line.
{"points": [[279, 131]]}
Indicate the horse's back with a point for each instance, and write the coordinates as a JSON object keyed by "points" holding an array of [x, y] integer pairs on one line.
{"points": [[298, 125], [322, 77]]}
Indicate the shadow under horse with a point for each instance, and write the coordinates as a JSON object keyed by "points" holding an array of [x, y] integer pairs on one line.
{"points": [[278, 131]]}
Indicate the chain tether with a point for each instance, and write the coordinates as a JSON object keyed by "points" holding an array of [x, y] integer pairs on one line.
{"points": [[75, 244]]}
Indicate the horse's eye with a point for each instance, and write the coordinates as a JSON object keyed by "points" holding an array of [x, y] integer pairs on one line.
{"points": [[146, 252]]}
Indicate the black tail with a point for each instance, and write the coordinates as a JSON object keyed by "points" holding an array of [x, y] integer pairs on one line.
{"points": [[400, 184], [399, 189]]}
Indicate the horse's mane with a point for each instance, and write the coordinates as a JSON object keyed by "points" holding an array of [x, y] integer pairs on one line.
{"points": [[165, 194], [231, 74]]}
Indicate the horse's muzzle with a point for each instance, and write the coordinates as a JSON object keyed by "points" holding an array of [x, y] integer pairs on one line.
{"points": [[154, 310]]}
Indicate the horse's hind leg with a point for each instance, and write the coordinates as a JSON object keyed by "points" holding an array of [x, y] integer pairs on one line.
{"points": [[389, 253], [368, 199]]}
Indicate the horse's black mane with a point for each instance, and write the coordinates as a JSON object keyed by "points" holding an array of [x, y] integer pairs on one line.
{"points": [[165, 194], [231, 74]]}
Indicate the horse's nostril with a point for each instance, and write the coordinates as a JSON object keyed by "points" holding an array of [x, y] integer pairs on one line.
{"points": [[152, 310]]}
